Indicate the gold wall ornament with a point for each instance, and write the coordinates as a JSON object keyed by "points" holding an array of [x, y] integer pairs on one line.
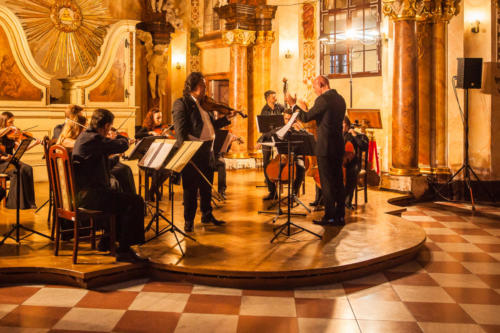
{"points": [[238, 36], [445, 9], [400, 9], [69, 33]]}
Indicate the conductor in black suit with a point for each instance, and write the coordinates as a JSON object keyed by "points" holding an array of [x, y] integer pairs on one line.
{"points": [[329, 112], [192, 123]]}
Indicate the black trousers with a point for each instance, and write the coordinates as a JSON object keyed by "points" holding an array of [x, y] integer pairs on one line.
{"points": [[125, 177], [129, 209], [266, 158], [351, 177], [192, 182], [332, 186], [27, 186]]}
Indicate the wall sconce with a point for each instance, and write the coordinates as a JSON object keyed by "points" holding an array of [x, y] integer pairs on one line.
{"points": [[288, 54], [474, 26], [178, 66]]}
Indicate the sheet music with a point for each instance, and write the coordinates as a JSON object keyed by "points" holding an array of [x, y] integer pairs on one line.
{"points": [[183, 155], [282, 131], [157, 154]]}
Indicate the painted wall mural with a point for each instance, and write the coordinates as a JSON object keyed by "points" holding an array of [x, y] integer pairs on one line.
{"points": [[112, 89], [13, 84]]}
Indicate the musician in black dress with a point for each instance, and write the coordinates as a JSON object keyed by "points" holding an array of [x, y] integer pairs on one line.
{"points": [[329, 112], [9, 140], [72, 112], [193, 123], [92, 177], [272, 107]]}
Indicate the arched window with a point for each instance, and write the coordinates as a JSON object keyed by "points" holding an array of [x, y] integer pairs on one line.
{"points": [[350, 42]]}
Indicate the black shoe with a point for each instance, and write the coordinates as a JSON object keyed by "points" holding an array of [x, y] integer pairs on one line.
{"points": [[314, 203], [324, 222], [188, 226], [103, 245], [130, 256], [211, 219], [349, 206], [270, 196]]}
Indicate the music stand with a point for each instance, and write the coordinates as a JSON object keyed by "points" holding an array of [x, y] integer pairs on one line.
{"points": [[174, 161], [15, 163], [301, 146], [267, 125]]}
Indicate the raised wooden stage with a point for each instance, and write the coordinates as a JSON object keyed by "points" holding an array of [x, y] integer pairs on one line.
{"points": [[238, 254]]}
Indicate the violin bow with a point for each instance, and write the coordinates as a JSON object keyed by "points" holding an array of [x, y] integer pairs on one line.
{"points": [[128, 117]]}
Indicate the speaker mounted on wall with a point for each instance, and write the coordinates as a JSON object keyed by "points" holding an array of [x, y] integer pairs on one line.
{"points": [[469, 73]]}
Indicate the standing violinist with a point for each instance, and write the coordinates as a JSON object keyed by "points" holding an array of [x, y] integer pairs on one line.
{"points": [[329, 112], [271, 108], [193, 123], [9, 140]]}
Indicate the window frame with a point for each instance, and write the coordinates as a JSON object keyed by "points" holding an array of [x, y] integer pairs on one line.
{"points": [[325, 13]]}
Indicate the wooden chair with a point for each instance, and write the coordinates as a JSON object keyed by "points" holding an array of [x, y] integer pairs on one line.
{"points": [[3, 184], [46, 143], [61, 171]]}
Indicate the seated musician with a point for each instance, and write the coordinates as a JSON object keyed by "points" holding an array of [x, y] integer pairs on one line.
{"points": [[92, 177], [75, 124], [9, 140], [152, 124], [351, 161], [120, 171], [70, 112]]}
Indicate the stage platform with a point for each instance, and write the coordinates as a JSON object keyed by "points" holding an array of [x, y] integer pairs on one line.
{"points": [[238, 254]]}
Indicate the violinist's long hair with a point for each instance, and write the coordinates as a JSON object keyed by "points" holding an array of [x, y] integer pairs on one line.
{"points": [[149, 122], [192, 81], [71, 129], [4, 117]]}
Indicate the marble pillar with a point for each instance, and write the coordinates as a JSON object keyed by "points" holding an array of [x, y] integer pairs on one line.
{"points": [[405, 100], [424, 63], [238, 40], [261, 82]]}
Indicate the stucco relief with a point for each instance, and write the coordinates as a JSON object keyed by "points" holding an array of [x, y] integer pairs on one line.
{"points": [[309, 47]]}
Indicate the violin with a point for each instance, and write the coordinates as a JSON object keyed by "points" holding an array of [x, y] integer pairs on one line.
{"points": [[165, 130], [210, 105]]}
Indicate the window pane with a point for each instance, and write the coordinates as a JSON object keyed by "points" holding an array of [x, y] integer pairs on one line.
{"points": [[371, 18], [341, 4], [328, 23], [328, 4], [354, 3], [357, 20], [371, 61], [341, 22]]}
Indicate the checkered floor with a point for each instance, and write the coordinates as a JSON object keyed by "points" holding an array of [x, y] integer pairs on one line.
{"points": [[453, 286]]}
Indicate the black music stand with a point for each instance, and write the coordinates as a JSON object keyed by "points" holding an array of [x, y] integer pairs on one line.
{"points": [[302, 147], [267, 125], [15, 163], [174, 161]]}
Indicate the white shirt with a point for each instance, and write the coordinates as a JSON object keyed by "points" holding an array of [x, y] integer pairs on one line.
{"points": [[207, 132]]}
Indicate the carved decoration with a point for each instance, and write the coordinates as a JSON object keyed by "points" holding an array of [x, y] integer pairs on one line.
{"points": [[309, 47], [69, 32], [264, 37], [112, 89], [400, 9], [13, 84], [238, 36], [308, 21], [172, 9], [445, 9], [194, 53], [157, 59]]}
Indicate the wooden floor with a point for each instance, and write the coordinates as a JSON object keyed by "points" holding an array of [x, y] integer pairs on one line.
{"points": [[238, 254]]}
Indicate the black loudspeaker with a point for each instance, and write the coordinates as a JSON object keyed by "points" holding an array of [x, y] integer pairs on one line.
{"points": [[469, 73]]}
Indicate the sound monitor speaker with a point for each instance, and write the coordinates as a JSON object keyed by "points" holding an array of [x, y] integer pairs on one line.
{"points": [[469, 72]]}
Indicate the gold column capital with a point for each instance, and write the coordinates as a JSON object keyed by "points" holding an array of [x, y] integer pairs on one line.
{"points": [[264, 37], [238, 36], [444, 10], [399, 10]]}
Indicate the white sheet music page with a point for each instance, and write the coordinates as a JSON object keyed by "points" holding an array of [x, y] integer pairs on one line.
{"points": [[282, 131], [160, 158]]}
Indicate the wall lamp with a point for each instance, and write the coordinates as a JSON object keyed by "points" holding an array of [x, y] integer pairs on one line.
{"points": [[288, 54], [178, 66], [474, 26]]}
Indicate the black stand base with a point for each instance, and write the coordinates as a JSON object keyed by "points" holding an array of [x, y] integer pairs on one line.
{"points": [[285, 229]]}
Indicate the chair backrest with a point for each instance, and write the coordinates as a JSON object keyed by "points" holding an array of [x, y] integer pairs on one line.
{"points": [[61, 170], [46, 143]]}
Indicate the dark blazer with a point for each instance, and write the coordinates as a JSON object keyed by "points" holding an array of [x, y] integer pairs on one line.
{"points": [[188, 121], [91, 159], [329, 112], [57, 131]]}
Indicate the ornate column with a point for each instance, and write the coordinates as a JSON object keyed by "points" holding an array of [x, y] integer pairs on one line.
{"points": [[424, 63], [261, 68], [239, 34], [238, 40], [442, 12], [405, 88]]}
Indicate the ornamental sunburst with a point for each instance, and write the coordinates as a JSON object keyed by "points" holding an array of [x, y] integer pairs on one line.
{"points": [[66, 34]]}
